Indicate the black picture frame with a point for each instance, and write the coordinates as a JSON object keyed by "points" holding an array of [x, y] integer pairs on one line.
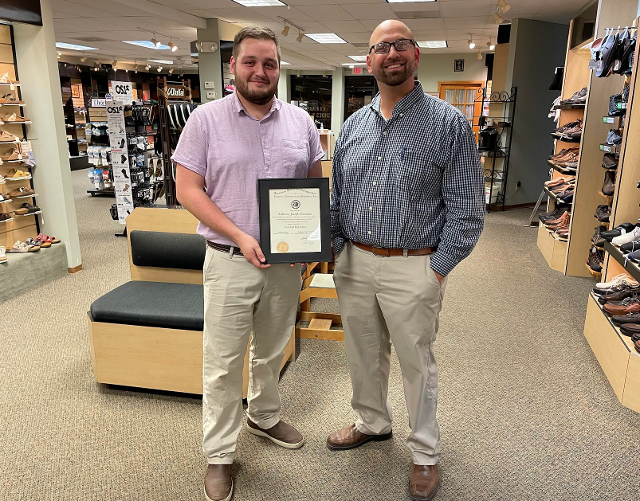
{"points": [[321, 183], [458, 65]]}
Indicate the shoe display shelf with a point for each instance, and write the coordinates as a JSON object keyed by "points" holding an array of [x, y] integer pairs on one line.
{"points": [[589, 172], [615, 351], [494, 146], [25, 226]]}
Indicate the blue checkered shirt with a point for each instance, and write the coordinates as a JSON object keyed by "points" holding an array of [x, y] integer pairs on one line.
{"points": [[409, 182]]}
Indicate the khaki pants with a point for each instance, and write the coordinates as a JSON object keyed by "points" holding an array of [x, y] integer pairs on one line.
{"points": [[386, 300], [240, 299]]}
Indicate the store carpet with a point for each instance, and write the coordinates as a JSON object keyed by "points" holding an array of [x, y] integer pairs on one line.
{"points": [[525, 410]]}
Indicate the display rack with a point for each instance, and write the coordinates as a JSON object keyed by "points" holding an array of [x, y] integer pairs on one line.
{"points": [[570, 257], [615, 351], [28, 225], [495, 156]]}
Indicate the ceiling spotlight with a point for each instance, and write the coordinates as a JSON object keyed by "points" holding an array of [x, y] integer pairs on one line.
{"points": [[114, 63], [298, 73], [171, 71], [285, 31], [324, 74], [155, 42], [300, 37], [479, 56], [497, 18], [471, 43], [83, 59], [58, 56], [491, 45], [126, 70], [503, 6], [173, 46], [95, 69], [147, 67], [159, 69]]}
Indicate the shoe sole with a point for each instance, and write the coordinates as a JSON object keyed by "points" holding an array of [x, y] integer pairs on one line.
{"points": [[286, 445], [225, 499], [420, 498], [372, 438]]}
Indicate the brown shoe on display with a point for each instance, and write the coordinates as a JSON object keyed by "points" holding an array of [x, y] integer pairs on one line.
{"points": [[628, 305], [349, 438], [218, 483], [424, 483], [282, 434]]}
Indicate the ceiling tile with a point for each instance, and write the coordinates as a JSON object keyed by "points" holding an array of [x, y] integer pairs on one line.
{"points": [[377, 12], [468, 22], [466, 8], [327, 13]]}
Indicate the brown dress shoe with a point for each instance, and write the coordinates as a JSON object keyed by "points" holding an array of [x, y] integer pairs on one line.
{"points": [[424, 483], [349, 438], [218, 484], [282, 434], [629, 305]]}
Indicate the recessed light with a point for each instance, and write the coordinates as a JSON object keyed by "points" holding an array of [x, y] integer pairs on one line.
{"points": [[161, 61], [261, 3], [325, 38], [358, 58], [433, 44], [284, 63], [147, 44], [70, 46]]}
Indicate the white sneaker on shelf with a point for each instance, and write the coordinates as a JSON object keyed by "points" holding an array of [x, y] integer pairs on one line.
{"points": [[618, 280], [627, 237]]}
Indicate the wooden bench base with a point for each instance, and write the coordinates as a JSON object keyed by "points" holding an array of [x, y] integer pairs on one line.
{"points": [[155, 358]]}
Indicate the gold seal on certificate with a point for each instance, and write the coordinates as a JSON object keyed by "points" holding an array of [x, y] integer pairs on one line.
{"points": [[294, 220]]}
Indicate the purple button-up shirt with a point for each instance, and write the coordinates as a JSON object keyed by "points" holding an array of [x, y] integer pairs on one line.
{"points": [[231, 150]]}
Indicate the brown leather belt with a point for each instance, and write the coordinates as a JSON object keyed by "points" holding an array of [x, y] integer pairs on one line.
{"points": [[395, 252], [224, 248]]}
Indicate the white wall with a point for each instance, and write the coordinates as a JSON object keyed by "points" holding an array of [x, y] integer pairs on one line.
{"points": [[436, 68]]}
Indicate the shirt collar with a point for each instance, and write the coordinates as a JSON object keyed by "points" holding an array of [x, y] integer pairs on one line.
{"points": [[237, 105], [404, 105]]}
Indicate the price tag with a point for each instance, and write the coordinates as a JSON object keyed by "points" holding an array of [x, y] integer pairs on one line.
{"points": [[608, 120], [25, 146]]}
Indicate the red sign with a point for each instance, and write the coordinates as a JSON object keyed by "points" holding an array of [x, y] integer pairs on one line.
{"points": [[357, 71]]}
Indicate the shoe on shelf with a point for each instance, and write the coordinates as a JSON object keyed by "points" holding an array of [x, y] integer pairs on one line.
{"points": [[16, 154], [23, 248], [2, 179], [4, 217], [603, 213], [595, 259], [634, 256], [617, 231], [42, 241], [16, 175], [613, 137], [27, 208], [3, 254], [550, 216], [622, 279], [629, 318], [618, 296], [565, 196], [631, 330], [609, 161], [609, 184], [33, 245], [628, 305], [13, 118], [7, 137], [23, 191], [630, 247], [563, 221], [632, 236], [10, 98], [6, 80], [597, 239], [578, 97]]}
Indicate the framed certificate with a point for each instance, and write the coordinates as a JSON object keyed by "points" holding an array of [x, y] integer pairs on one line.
{"points": [[295, 224]]}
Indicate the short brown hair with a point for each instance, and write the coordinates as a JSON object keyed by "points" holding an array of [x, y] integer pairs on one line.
{"points": [[257, 33]]}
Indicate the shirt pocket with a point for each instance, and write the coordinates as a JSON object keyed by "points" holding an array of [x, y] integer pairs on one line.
{"points": [[418, 174], [294, 157]]}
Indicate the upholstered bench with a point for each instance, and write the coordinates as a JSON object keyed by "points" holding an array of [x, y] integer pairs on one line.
{"points": [[147, 333]]}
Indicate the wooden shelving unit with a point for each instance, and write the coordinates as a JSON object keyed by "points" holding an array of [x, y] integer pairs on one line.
{"points": [[614, 351]]}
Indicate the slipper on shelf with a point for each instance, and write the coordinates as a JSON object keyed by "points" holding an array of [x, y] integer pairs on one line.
{"points": [[7, 137], [16, 154], [42, 241], [13, 118], [28, 208], [54, 240], [23, 191], [33, 245], [6, 80], [10, 99], [20, 247]]}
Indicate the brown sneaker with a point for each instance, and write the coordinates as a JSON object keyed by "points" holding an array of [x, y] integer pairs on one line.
{"points": [[424, 482], [349, 438], [282, 434], [218, 483]]}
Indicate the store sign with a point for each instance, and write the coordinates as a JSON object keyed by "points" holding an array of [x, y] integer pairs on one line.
{"points": [[357, 71], [122, 91], [176, 91], [99, 103], [120, 158]]}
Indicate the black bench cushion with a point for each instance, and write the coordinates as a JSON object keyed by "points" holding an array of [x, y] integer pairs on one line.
{"points": [[168, 250], [153, 304]]}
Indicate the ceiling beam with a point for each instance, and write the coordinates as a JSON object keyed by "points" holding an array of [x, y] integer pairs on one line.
{"points": [[164, 11]]}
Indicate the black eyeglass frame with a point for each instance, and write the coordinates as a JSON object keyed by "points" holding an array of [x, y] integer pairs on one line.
{"points": [[389, 44]]}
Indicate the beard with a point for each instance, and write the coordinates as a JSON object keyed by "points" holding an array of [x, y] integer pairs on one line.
{"points": [[396, 77], [258, 97]]}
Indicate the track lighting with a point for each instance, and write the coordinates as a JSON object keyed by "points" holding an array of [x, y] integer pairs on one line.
{"points": [[173, 46], [298, 73], [300, 37], [83, 59], [95, 69], [155, 42], [285, 31], [159, 69], [491, 45], [147, 67], [497, 18], [471, 43], [503, 6], [479, 56], [171, 71]]}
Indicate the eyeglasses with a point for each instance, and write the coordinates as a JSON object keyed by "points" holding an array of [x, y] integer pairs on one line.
{"points": [[400, 45]]}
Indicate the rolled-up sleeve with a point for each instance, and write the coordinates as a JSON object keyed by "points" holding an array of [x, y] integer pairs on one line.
{"points": [[464, 199]]}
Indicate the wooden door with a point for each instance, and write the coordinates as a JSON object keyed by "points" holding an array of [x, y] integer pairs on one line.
{"points": [[464, 96]]}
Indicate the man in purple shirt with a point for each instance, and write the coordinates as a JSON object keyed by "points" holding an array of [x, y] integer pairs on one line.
{"points": [[226, 146]]}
